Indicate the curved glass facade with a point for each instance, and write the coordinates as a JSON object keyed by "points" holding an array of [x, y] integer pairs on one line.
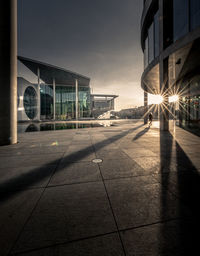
{"points": [[151, 50], [156, 35], [181, 18], [186, 16], [146, 53], [151, 42], [190, 107], [30, 102], [178, 20], [195, 13]]}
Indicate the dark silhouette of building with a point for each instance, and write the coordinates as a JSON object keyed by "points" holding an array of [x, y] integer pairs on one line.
{"points": [[170, 40]]}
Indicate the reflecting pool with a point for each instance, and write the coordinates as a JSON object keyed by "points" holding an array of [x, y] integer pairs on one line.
{"points": [[36, 127]]}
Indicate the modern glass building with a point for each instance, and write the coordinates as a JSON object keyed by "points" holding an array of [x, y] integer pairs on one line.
{"points": [[101, 103], [170, 40], [59, 94]]}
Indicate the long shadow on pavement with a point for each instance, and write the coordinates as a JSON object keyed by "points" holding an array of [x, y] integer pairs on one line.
{"points": [[180, 177], [140, 134], [11, 187]]}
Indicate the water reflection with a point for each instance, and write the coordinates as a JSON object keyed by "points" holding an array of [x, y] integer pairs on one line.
{"points": [[34, 127], [31, 128]]}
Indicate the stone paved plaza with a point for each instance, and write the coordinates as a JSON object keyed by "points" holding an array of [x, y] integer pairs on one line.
{"points": [[142, 199]]}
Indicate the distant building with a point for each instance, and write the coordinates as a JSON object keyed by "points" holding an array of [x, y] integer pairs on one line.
{"points": [[59, 94], [134, 113], [101, 103]]}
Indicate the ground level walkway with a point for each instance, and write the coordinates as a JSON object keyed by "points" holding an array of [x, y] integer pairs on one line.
{"points": [[142, 199]]}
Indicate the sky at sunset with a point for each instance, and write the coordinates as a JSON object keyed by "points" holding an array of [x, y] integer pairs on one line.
{"points": [[97, 38]]}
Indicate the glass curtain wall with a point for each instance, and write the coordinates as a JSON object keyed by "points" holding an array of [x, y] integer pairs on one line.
{"points": [[194, 13], [156, 35], [186, 17], [146, 53], [190, 107], [46, 101], [66, 102], [151, 42], [84, 101], [181, 18], [151, 50]]}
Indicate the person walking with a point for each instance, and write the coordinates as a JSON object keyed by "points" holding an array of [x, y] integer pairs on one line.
{"points": [[150, 119]]}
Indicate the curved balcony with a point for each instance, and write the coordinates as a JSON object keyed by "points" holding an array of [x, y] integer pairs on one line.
{"points": [[183, 60]]}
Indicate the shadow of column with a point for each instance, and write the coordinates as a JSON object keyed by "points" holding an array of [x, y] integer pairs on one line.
{"points": [[180, 194]]}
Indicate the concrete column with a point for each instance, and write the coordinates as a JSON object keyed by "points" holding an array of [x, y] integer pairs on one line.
{"points": [[76, 86], [54, 99], [113, 104], [164, 84], [145, 107], [38, 93], [8, 72], [163, 76]]}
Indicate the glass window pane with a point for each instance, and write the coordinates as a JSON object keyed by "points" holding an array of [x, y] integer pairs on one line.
{"points": [[181, 19], [46, 101], [195, 13], [30, 102], [146, 61], [66, 102], [156, 34], [151, 42]]}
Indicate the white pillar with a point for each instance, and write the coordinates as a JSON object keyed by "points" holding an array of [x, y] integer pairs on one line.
{"points": [[76, 85], [164, 112], [8, 72], [38, 92], [54, 99]]}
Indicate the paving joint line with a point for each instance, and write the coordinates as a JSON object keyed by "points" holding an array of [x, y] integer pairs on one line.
{"points": [[111, 208], [151, 224], [31, 213], [63, 243], [123, 248]]}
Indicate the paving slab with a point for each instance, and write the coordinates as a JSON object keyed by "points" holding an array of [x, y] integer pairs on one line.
{"points": [[25, 177], [78, 154], [33, 160], [175, 238], [140, 201], [70, 173], [110, 154], [14, 212], [108, 245], [126, 167], [139, 152], [67, 213], [142, 197]]}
